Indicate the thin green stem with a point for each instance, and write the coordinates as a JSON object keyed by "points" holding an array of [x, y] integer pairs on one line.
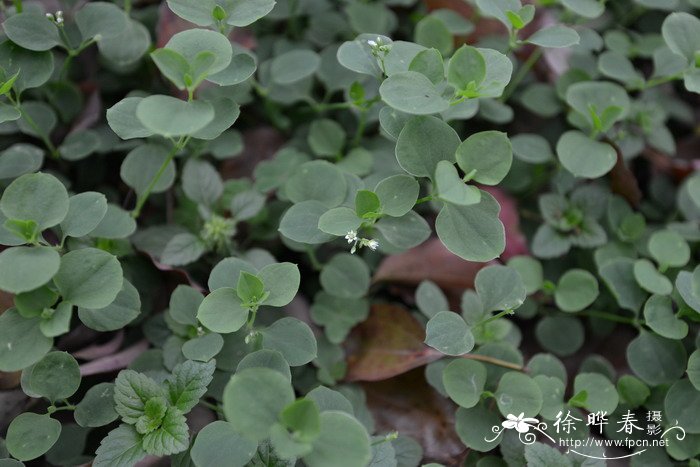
{"points": [[18, 5], [315, 263], [611, 317], [361, 124], [493, 361], [127, 7], [211, 406], [143, 197], [39, 133], [424, 199], [520, 75], [494, 317]]}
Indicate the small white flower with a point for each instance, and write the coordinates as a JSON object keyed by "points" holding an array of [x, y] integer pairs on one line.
{"points": [[373, 245], [371, 43], [351, 236]]}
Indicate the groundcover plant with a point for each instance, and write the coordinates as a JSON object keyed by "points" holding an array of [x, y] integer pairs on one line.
{"points": [[382, 233]]}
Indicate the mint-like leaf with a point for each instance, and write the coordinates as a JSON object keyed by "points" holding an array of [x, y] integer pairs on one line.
{"points": [[188, 383], [171, 437], [121, 448], [131, 392]]}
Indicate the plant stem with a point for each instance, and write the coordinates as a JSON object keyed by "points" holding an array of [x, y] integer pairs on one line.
{"points": [[39, 133], [127, 7], [424, 199], [520, 75], [493, 361], [360, 127], [494, 317], [18, 5], [141, 200], [611, 317], [209, 405]]}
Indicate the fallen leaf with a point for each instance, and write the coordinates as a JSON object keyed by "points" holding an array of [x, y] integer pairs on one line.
{"points": [[390, 342]]}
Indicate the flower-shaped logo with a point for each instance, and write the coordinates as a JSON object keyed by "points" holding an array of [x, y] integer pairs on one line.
{"points": [[520, 423]]}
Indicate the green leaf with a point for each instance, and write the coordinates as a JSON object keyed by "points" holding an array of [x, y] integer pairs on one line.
{"points": [[188, 384], [464, 381], [447, 332], [303, 184], [345, 276], [27, 268], [343, 442], [471, 424], [281, 281], [413, 93], [301, 417], [127, 47], [203, 348], [169, 116], [85, 211], [681, 32], [557, 36], [694, 369], [253, 400], [632, 391], [542, 455], [404, 232], [592, 99], [430, 299], [171, 437], [123, 121], [32, 30], [452, 188], [488, 154], [121, 448], [300, 223], [339, 221], [585, 8], [266, 358], [650, 279], [432, 32], [499, 9], [34, 68], [467, 70], [221, 311], [125, 308], [326, 137], [618, 275], [659, 316], [292, 338], [601, 393], [681, 405], [132, 391], [530, 270], [688, 290], [655, 359], [241, 68], [89, 278], [56, 376], [23, 342], [367, 204], [429, 63], [30, 435], [173, 66], [250, 289], [499, 288], [100, 19], [576, 290], [59, 321], [226, 113], [518, 393], [585, 157], [199, 12], [561, 335], [531, 148], [201, 182], [294, 66], [423, 142], [184, 302], [397, 194], [668, 248], [242, 13], [218, 443], [472, 232], [39, 197], [20, 159], [97, 407], [192, 42]]}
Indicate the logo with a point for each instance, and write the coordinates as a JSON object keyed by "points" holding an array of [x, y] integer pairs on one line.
{"points": [[529, 429]]}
